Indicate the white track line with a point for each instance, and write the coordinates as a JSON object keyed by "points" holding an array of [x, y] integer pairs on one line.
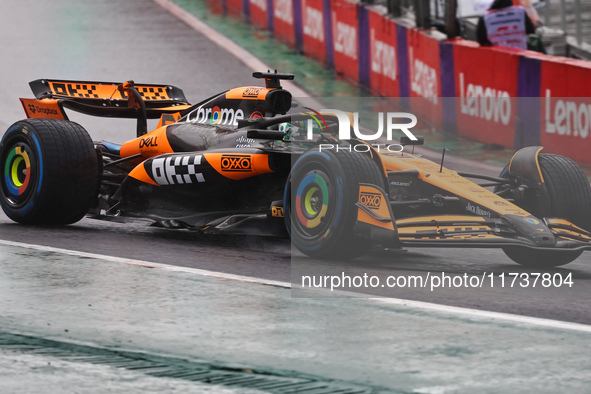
{"points": [[475, 313], [147, 264], [249, 60]]}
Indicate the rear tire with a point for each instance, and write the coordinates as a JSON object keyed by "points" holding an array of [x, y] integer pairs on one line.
{"points": [[319, 202], [570, 199], [49, 172]]}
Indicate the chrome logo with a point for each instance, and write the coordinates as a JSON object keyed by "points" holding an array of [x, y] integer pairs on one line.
{"points": [[216, 115], [531, 220], [17, 171]]}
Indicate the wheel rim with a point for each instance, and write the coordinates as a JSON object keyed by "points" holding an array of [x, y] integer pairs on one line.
{"points": [[312, 203], [19, 164]]}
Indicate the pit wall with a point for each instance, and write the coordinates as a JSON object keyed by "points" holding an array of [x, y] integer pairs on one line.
{"points": [[394, 60]]}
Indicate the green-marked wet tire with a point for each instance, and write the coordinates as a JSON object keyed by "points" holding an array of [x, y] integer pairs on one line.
{"points": [[319, 201], [49, 172]]}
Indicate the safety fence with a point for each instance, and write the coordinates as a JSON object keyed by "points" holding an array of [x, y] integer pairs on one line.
{"points": [[491, 84]]}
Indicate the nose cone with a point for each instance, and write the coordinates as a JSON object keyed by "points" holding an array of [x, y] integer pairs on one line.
{"points": [[533, 229]]}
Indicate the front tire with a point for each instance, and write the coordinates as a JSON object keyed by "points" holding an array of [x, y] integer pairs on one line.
{"points": [[49, 172], [319, 201], [541, 259], [570, 198]]}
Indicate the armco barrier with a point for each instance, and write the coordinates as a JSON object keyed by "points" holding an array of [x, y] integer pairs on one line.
{"points": [[524, 90]]}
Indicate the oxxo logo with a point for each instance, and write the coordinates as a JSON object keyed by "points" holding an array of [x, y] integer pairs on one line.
{"points": [[370, 200], [236, 163]]}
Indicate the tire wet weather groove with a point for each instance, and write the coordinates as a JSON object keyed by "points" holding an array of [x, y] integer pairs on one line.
{"points": [[168, 367]]}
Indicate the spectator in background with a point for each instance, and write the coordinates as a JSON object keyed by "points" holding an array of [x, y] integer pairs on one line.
{"points": [[504, 24], [531, 11]]}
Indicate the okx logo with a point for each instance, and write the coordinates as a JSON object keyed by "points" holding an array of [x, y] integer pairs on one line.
{"points": [[389, 121], [236, 163]]}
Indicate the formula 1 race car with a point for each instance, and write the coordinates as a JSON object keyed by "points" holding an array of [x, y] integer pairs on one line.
{"points": [[238, 162]]}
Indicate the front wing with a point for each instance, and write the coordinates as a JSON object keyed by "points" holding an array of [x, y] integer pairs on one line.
{"points": [[376, 218]]}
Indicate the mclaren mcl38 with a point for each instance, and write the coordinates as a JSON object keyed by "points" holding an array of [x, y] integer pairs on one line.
{"points": [[239, 162]]}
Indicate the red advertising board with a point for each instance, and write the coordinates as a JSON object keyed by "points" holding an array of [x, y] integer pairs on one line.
{"points": [[283, 18], [313, 29], [215, 6], [234, 7], [566, 108], [345, 33], [424, 73], [383, 77], [486, 87], [258, 13]]}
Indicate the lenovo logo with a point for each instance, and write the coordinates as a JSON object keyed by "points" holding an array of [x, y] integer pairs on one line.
{"points": [[346, 38], [383, 57], [313, 23], [485, 102]]}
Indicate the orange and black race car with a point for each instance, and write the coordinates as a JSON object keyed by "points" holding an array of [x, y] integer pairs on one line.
{"points": [[238, 162]]}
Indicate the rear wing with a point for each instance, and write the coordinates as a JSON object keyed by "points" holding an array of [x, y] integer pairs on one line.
{"points": [[108, 99]]}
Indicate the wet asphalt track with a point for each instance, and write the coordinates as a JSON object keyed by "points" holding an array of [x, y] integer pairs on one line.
{"points": [[115, 41]]}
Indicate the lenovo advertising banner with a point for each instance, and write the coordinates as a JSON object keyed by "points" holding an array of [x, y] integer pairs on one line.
{"points": [[486, 85], [345, 33], [284, 21], [566, 108], [425, 74], [216, 6], [234, 7], [314, 32], [259, 10], [383, 60]]}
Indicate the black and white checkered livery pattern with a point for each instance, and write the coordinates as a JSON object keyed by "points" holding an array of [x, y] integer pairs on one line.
{"points": [[177, 170]]}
